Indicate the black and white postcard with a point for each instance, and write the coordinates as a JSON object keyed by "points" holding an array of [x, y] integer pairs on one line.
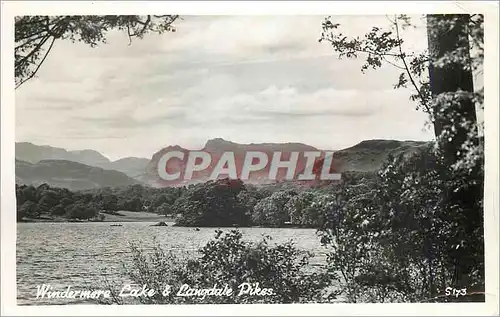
{"points": [[249, 158]]}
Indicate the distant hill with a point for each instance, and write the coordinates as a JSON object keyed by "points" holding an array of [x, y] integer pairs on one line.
{"points": [[366, 156], [369, 155], [90, 169], [219, 145], [32, 153], [132, 166], [67, 174], [216, 147]]}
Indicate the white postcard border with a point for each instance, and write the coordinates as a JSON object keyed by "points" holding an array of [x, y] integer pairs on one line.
{"points": [[324, 8]]}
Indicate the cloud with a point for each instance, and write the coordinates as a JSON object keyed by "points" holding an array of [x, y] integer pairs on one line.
{"points": [[254, 37], [243, 78], [210, 106], [245, 36]]}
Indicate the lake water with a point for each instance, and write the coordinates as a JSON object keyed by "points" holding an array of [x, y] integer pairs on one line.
{"points": [[81, 254]]}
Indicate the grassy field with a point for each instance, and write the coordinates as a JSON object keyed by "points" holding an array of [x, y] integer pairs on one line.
{"points": [[120, 216], [130, 216]]}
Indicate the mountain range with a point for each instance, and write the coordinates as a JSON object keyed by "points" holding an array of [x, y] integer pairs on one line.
{"points": [[31, 153], [68, 174], [85, 169], [216, 148]]}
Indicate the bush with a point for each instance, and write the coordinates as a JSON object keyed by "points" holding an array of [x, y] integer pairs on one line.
{"points": [[271, 210], [28, 209], [227, 259], [212, 204], [308, 208], [400, 237]]}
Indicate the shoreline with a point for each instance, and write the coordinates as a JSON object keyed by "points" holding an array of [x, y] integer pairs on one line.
{"points": [[141, 216], [119, 216], [170, 223]]}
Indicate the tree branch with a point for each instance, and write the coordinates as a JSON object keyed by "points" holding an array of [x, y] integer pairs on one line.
{"points": [[33, 51], [139, 33], [39, 65], [129, 35], [33, 33], [393, 64], [357, 50], [18, 39], [402, 56], [29, 41], [39, 45], [145, 24]]}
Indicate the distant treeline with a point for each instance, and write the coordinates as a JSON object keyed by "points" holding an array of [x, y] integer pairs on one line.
{"points": [[48, 202], [224, 202], [34, 202]]}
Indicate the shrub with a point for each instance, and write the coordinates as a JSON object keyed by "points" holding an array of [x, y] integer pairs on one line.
{"points": [[271, 210], [211, 204], [308, 208], [228, 259], [401, 238]]}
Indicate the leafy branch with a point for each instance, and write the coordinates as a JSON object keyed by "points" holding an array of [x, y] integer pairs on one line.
{"points": [[383, 46], [35, 35]]}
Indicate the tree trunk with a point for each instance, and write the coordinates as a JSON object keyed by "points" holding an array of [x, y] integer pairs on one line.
{"points": [[448, 37], [445, 34]]}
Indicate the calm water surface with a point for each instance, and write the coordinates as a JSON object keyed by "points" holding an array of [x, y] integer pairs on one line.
{"points": [[82, 255]]}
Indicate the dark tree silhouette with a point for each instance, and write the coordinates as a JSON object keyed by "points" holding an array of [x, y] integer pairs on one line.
{"points": [[442, 80], [441, 77], [35, 35]]}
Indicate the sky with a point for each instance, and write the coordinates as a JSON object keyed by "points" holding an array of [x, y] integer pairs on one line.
{"points": [[247, 79]]}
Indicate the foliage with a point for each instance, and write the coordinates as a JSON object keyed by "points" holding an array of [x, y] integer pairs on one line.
{"points": [[271, 210], [427, 208], [386, 46], [228, 259], [348, 217], [211, 204], [136, 198], [28, 209], [449, 236], [60, 202], [215, 203], [36, 35], [162, 202], [80, 211], [398, 238], [250, 196], [307, 209], [33, 202]]}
